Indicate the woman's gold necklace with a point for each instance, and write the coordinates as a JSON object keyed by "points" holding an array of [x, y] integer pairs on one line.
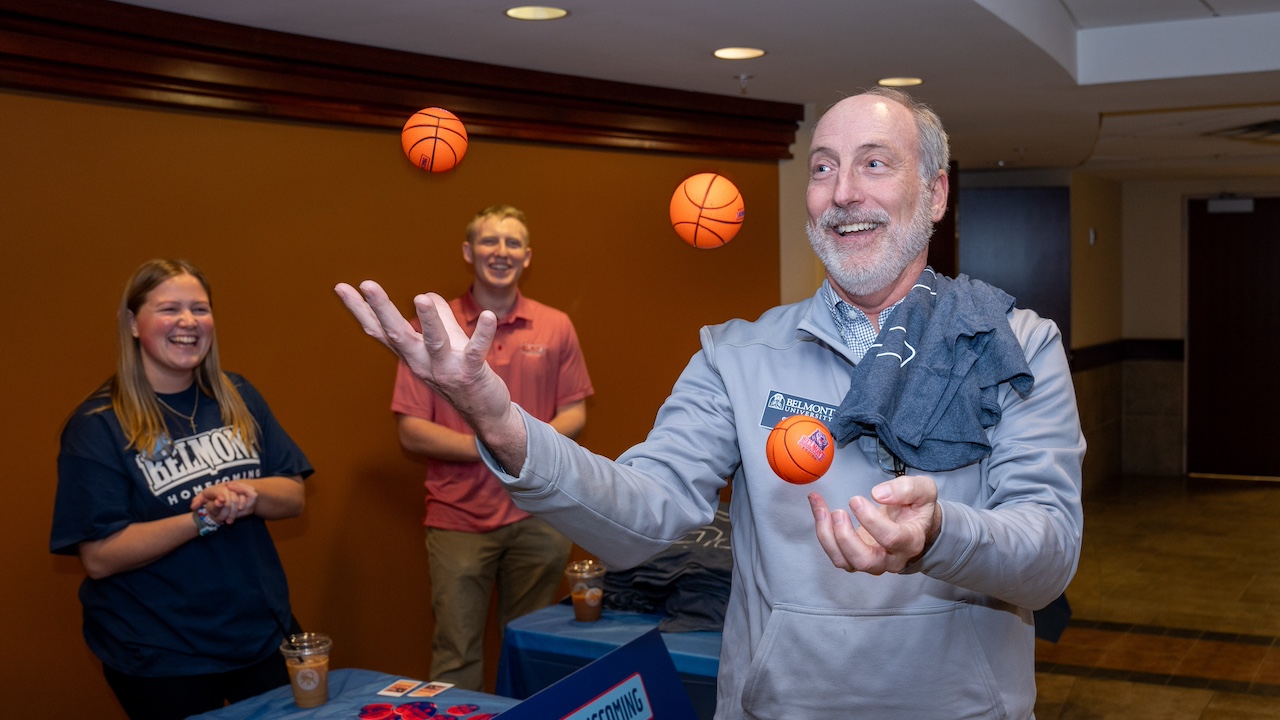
{"points": [[189, 418]]}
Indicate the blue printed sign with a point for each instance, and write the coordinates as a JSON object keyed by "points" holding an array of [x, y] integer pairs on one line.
{"points": [[625, 701], [638, 681]]}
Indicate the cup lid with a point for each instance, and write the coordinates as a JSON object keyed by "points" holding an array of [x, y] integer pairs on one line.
{"points": [[585, 567], [306, 644]]}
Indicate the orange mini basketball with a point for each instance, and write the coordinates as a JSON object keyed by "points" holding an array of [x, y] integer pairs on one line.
{"points": [[800, 449], [707, 210], [434, 140]]}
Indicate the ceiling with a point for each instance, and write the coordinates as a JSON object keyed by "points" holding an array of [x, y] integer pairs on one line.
{"points": [[1124, 88]]}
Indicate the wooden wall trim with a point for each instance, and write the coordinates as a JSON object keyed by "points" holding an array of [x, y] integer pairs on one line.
{"points": [[106, 50], [1096, 356]]}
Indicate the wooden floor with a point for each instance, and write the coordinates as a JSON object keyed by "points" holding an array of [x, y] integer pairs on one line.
{"points": [[1175, 606]]}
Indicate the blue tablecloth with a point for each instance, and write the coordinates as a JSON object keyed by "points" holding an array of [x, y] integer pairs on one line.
{"points": [[545, 646], [350, 690]]}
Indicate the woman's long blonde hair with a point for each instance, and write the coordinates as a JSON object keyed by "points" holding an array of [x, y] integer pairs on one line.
{"points": [[132, 396]]}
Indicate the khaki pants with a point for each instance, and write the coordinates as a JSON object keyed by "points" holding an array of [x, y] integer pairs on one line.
{"points": [[525, 559]]}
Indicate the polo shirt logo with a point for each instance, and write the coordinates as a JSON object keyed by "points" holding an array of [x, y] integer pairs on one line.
{"points": [[533, 349]]}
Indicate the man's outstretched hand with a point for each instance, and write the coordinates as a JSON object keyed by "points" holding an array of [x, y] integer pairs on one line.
{"points": [[447, 361]]}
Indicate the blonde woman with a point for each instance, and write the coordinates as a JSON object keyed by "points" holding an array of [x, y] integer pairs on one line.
{"points": [[166, 476]]}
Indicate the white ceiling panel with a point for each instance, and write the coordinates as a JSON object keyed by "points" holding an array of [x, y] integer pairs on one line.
{"points": [[1002, 97]]}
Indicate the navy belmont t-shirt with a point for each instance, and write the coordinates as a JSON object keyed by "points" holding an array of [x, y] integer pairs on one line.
{"points": [[214, 604]]}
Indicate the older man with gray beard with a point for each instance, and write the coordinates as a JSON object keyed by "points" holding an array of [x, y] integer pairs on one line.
{"points": [[958, 454]]}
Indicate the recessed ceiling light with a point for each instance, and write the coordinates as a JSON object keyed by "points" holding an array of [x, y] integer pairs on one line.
{"points": [[738, 53], [900, 81], [536, 12]]}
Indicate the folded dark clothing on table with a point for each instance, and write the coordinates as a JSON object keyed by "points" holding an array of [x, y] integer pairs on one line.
{"points": [[688, 582]]}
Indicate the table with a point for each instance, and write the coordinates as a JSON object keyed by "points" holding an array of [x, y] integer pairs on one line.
{"points": [[349, 690], [546, 645]]}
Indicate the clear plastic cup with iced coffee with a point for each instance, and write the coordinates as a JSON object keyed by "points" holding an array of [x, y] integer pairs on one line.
{"points": [[586, 587], [306, 655]]}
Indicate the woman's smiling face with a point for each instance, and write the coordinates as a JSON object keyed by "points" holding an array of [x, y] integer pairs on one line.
{"points": [[174, 328]]}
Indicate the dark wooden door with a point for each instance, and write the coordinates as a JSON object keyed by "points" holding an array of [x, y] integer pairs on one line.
{"points": [[1233, 339], [1019, 239]]}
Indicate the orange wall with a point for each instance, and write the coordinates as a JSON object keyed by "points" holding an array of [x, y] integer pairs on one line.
{"points": [[276, 214]]}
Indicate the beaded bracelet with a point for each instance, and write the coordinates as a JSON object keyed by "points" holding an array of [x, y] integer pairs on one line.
{"points": [[204, 523]]}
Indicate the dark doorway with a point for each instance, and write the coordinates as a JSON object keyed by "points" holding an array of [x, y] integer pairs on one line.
{"points": [[1233, 337], [944, 256], [1019, 239]]}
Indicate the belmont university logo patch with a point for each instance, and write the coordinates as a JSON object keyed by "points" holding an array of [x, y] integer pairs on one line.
{"points": [[780, 405]]}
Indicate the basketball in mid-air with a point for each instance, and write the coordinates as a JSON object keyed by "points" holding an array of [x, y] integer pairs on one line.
{"points": [[707, 210], [800, 449], [434, 139]]}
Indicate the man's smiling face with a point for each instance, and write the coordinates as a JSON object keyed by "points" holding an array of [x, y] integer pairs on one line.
{"points": [[870, 214], [500, 252]]}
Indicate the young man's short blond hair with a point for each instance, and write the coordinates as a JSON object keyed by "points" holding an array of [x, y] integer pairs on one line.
{"points": [[501, 212]]}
